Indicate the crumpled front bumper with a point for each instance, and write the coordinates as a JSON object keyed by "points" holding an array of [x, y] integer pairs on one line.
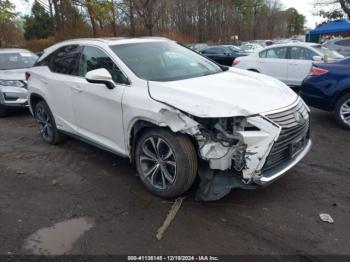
{"points": [[269, 177], [283, 140]]}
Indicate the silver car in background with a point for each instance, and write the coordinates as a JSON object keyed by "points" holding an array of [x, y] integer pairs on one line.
{"points": [[342, 46], [13, 86]]}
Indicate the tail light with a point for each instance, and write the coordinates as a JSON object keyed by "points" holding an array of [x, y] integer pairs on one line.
{"points": [[27, 75], [235, 62], [316, 71]]}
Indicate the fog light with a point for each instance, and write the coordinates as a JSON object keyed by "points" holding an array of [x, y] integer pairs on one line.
{"points": [[9, 97]]}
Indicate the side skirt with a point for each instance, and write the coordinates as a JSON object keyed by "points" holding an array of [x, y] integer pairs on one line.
{"points": [[92, 143]]}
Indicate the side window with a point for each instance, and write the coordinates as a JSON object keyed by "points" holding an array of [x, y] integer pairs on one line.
{"points": [[65, 60], [263, 54], [93, 58], [300, 53], [45, 61], [310, 54], [276, 53]]}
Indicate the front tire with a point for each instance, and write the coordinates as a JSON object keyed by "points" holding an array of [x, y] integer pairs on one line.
{"points": [[47, 125], [342, 111], [166, 162]]}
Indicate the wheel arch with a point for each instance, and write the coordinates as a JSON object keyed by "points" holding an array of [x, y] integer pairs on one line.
{"points": [[340, 95], [136, 129], [139, 126], [34, 99]]}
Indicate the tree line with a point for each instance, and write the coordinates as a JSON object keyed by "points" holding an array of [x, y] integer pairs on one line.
{"points": [[183, 20]]}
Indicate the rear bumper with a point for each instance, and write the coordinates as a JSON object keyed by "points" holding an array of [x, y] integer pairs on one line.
{"points": [[319, 92], [273, 175]]}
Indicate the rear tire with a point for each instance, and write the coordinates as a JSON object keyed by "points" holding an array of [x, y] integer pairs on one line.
{"points": [[47, 125], [3, 111], [166, 162], [342, 111]]}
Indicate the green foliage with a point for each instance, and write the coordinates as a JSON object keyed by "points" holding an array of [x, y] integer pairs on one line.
{"points": [[39, 24], [296, 22], [100, 9], [7, 12]]}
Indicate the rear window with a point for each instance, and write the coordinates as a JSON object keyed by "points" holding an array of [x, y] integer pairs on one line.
{"points": [[18, 60]]}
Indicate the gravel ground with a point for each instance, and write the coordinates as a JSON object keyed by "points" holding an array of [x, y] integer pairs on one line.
{"points": [[104, 209]]}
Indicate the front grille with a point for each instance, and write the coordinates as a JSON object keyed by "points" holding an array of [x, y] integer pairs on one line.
{"points": [[294, 135]]}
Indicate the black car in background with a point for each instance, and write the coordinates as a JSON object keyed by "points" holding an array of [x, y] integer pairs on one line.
{"points": [[222, 54]]}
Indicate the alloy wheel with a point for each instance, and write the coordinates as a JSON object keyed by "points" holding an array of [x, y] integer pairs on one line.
{"points": [[44, 122], [345, 112], [157, 162]]}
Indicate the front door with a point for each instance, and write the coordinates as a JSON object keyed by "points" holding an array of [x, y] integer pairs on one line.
{"points": [[98, 110]]}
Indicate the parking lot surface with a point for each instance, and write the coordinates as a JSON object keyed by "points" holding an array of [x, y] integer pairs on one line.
{"points": [[95, 201]]}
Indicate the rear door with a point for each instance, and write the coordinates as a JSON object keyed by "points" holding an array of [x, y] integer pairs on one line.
{"points": [[59, 80], [273, 62], [299, 64]]}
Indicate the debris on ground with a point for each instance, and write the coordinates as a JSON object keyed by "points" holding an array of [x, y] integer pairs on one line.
{"points": [[170, 217], [20, 172], [327, 218]]}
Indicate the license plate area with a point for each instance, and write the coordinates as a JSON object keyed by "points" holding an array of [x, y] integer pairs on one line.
{"points": [[297, 146]]}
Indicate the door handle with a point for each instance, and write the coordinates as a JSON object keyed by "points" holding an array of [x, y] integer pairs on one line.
{"points": [[76, 89]]}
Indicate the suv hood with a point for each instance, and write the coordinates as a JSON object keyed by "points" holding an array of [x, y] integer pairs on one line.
{"points": [[14, 74], [235, 92]]}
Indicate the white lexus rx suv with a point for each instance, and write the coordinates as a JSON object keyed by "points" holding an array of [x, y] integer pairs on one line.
{"points": [[174, 113]]}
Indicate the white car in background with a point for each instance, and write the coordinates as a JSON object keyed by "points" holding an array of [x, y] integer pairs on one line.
{"points": [[174, 112], [249, 48], [13, 87], [290, 63], [341, 45]]}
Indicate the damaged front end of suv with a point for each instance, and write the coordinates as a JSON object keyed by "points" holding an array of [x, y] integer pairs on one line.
{"points": [[248, 152]]}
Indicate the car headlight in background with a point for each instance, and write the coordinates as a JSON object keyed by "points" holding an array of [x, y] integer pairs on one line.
{"points": [[16, 83]]}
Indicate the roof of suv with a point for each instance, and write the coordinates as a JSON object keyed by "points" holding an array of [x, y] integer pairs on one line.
{"points": [[104, 41], [114, 40]]}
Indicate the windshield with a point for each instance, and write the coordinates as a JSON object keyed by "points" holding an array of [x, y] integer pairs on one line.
{"points": [[19, 60], [330, 53], [164, 61]]}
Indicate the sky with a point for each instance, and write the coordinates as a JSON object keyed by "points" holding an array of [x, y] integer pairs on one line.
{"points": [[305, 7]]}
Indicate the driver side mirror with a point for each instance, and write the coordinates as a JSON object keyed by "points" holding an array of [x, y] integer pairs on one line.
{"points": [[317, 58], [100, 76]]}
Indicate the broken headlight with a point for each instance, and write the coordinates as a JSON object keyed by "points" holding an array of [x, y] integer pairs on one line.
{"points": [[224, 130], [221, 142]]}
